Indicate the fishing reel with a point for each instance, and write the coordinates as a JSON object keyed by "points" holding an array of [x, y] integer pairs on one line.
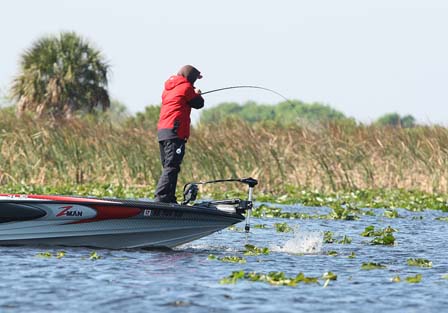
{"points": [[190, 193]]}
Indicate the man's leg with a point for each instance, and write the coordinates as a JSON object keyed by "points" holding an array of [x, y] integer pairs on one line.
{"points": [[171, 153]]}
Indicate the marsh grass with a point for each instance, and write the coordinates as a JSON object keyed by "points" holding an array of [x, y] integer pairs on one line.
{"points": [[326, 157]]}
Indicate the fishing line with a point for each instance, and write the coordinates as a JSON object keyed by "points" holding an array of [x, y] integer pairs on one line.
{"points": [[253, 87]]}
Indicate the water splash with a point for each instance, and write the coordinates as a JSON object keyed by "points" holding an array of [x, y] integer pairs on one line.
{"points": [[304, 242]]}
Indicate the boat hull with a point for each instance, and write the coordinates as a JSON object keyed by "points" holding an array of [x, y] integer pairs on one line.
{"points": [[112, 224]]}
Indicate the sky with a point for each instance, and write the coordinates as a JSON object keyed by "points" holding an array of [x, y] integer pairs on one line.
{"points": [[362, 57]]}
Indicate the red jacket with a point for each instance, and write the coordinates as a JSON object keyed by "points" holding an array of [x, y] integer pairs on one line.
{"points": [[178, 98]]}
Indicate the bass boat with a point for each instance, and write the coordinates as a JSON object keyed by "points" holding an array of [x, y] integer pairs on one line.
{"points": [[116, 223]]}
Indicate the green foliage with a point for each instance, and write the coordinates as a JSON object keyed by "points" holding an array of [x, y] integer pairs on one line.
{"points": [[284, 113], [282, 227], [414, 279], [395, 120], [45, 254], [396, 279], [369, 231], [228, 259], [386, 239], [60, 75], [391, 213], [273, 278], [413, 200], [330, 276], [341, 213], [346, 240], [372, 266], [328, 237], [147, 119], [419, 262], [382, 237], [94, 256], [253, 250]]}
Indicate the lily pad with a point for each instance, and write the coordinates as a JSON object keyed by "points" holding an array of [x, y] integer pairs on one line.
{"points": [[253, 250], [414, 279], [420, 262], [372, 266]]}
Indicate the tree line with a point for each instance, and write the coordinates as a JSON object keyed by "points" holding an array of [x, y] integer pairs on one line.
{"points": [[64, 74]]}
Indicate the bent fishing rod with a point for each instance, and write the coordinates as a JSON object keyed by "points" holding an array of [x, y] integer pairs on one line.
{"points": [[249, 86]]}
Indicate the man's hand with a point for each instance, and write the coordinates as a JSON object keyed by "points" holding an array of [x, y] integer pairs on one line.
{"points": [[198, 91]]}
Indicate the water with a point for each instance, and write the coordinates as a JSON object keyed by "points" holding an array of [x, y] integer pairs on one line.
{"points": [[184, 280]]}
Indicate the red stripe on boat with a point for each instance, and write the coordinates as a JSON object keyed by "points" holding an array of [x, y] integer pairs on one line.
{"points": [[66, 198], [105, 212], [54, 198]]}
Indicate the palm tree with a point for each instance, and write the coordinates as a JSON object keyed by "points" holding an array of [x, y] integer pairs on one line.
{"points": [[60, 75]]}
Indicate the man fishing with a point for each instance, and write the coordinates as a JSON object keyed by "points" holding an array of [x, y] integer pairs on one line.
{"points": [[173, 129]]}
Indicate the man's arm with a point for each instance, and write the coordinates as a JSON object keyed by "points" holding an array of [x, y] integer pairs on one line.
{"points": [[194, 98], [196, 103]]}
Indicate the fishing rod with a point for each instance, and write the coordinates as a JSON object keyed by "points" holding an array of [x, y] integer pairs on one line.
{"points": [[249, 86]]}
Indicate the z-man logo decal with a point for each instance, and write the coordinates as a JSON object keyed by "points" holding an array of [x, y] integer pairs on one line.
{"points": [[72, 211]]}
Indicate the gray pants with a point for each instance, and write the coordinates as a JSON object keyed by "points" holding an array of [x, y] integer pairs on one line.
{"points": [[172, 152]]}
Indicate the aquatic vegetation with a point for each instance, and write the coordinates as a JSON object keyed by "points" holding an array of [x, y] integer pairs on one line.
{"points": [[328, 237], [45, 254], [396, 279], [414, 279], [391, 213], [443, 218], [386, 239], [253, 250], [60, 254], [346, 240], [330, 276], [283, 227], [370, 231], [48, 254], [332, 253], [94, 256], [382, 237], [372, 266], [273, 278], [341, 213], [352, 255], [390, 199], [228, 259], [419, 262], [260, 226], [264, 211], [235, 229]]}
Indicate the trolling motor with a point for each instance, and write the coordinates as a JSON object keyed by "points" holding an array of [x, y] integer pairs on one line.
{"points": [[190, 193]]}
